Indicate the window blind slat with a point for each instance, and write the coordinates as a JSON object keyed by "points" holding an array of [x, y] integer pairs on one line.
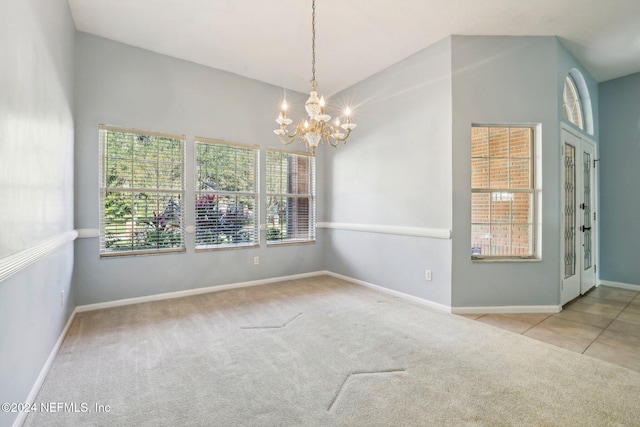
{"points": [[142, 175], [290, 197], [226, 194]]}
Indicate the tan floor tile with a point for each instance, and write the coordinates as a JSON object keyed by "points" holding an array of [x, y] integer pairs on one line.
{"points": [[626, 328], [630, 315], [579, 327], [620, 340], [517, 323], [584, 318], [613, 294], [612, 302], [471, 316], [564, 333], [605, 308], [628, 359], [633, 307]]}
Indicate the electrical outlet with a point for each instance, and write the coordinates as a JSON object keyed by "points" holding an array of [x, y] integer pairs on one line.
{"points": [[427, 274], [256, 260]]}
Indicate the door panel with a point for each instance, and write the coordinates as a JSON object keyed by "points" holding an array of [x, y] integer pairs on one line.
{"points": [[588, 279], [571, 277], [578, 223]]}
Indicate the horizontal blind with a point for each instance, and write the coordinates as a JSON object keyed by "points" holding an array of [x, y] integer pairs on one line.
{"points": [[142, 192], [291, 196], [226, 194]]}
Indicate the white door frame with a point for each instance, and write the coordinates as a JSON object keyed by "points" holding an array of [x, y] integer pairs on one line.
{"points": [[595, 229]]}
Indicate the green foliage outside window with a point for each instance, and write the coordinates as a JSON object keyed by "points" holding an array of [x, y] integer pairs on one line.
{"points": [[142, 191], [226, 194]]}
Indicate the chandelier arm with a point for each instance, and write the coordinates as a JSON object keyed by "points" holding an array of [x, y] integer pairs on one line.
{"points": [[286, 141], [330, 129], [315, 129], [346, 135], [287, 138], [327, 137]]}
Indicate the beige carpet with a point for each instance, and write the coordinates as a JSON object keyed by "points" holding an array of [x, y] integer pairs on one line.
{"points": [[321, 352]]}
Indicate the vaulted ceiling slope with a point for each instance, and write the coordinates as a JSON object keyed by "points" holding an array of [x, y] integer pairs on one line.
{"points": [[270, 40]]}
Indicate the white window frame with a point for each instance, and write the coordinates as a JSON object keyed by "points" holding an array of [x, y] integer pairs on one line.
{"points": [[534, 190], [577, 119], [274, 226], [135, 230], [244, 237]]}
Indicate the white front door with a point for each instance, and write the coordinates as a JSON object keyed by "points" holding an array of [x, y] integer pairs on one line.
{"points": [[588, 213], [578, 216]]}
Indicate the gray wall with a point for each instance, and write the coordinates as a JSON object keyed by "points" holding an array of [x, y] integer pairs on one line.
{"points": [[36, 177], [408, 164], [619, 179], [125, 86], [396, 171], [505, 80]]}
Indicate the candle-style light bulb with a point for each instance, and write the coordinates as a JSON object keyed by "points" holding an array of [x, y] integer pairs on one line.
{"points": [[282, 119], [348, 125]]}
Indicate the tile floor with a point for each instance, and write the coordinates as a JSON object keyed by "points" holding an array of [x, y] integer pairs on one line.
{"points": [[604, 323]]}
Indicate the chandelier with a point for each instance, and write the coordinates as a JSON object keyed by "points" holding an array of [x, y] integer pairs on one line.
{"points": [[316, 129]]}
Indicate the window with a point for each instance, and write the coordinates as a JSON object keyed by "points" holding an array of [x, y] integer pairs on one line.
{"points": [[226, 194], [571, 103], [502, 192], [291, 191], [142, 189]]}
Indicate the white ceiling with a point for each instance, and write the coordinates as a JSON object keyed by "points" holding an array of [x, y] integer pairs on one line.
{"points": [[270, 40]]}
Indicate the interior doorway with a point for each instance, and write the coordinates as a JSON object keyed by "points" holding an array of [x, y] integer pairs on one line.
{"points": [[579, 216]]}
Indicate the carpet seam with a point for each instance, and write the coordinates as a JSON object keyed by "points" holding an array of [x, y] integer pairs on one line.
{"points": [[354, 373]]}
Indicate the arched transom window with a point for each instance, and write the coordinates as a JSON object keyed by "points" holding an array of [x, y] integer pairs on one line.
{"points": [[571, 103]]}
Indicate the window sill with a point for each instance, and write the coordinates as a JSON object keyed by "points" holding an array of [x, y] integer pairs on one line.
{"points": [[492, 260], [226, 247], [116, 254], [290, 242]]}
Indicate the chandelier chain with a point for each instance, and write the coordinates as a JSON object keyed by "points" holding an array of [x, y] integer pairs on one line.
{"points": [[313, 43], [315, 129]]}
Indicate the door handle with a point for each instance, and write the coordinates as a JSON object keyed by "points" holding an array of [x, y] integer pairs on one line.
{"points": [[583, 228]]}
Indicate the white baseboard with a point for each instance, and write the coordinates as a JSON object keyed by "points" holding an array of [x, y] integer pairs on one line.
{"points": [[189, 292], [620, 285], [504, 309], [455, 310], [435, 305], [44, 371], [440, 307]]}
